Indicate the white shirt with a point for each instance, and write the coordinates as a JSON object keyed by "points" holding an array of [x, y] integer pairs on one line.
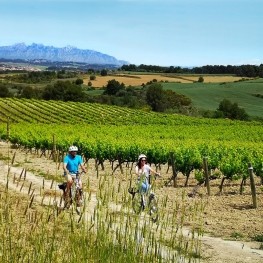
{"points": [[145, 170]]}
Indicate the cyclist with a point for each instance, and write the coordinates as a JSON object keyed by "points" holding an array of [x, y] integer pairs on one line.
{"points": [[71, 164], [143, 171]]}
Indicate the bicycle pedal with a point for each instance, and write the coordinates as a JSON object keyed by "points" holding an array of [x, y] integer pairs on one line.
{"points": [[151, 196]]}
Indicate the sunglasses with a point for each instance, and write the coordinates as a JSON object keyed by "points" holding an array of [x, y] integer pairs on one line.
{"points": [[143, 160]]}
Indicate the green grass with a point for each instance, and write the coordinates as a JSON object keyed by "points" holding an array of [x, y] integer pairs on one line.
{"points": [[95, 92], [207, 96]]}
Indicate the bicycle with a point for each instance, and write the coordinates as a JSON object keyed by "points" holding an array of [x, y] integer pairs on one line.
{"points": [[144, 200], [75, 196]]}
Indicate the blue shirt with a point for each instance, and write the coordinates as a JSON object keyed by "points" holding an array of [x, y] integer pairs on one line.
{"points": [[72, 163]]}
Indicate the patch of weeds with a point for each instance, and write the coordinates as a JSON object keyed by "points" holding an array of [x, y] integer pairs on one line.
{"points": [[236, 235], [27, 161], [4, 158], [258, 238]]}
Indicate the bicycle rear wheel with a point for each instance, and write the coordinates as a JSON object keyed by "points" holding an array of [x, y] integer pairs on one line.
{"points": [[137, 203], [153, 208]]}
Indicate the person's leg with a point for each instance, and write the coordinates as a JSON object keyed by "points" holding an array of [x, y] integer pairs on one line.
{"points": [[144, 187], [80, 187], [69, 184], [80, 184]]}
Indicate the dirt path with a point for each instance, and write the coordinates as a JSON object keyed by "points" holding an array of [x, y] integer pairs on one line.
{"points": [[214, 249]]}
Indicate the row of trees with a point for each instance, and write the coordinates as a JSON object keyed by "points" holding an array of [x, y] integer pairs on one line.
{"points": [[243, 70], [41, 76], [151, 96]]}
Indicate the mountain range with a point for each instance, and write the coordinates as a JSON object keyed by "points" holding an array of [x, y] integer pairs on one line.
{"points": [[50, 53]]}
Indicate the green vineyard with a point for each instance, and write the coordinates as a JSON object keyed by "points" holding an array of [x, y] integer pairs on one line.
{"points": [[118, 134]]}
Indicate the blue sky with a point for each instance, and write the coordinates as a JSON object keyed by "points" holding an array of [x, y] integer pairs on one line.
{"points": [[152, 32]]}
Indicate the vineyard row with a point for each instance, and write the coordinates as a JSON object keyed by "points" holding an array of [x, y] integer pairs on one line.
{"points": [[227, 148]]}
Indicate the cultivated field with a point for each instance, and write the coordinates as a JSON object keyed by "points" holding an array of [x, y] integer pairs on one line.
{"points": [[139, 79], [207, 96], [192, 227]]}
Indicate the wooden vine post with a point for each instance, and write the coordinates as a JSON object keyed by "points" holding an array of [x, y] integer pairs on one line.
{"points": [[54, 148], [252, 185], [174, 177], [206, 175]]}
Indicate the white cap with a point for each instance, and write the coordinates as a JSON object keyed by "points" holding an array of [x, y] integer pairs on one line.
{"points": [[73, 148], [141, 156]]}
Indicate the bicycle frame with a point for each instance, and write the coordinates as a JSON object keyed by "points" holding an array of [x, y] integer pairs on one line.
{"points": [[75, 186], [75, 194]]}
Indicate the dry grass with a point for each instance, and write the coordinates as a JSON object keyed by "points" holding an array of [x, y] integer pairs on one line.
{"points": [[138, 80], [228, 213]]}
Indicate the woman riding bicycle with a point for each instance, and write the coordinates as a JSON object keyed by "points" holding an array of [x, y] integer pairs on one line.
{"points": [[143, 171], [71, 164]]}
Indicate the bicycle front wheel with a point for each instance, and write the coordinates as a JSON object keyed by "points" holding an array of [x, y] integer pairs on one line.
{"points": [[153, 209]]}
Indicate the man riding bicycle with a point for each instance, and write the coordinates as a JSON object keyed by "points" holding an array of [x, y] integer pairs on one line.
{"points": [[71, 164]]}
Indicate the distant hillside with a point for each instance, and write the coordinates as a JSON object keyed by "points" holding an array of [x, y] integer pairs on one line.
{"points": [[50, 53]]}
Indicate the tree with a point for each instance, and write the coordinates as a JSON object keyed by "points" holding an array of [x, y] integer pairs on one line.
{"points": [[173, 100], [113, 87], [103, 72], [227, 109], [155, 97], [64, 90], [4, 92], [201, 79], [28, 92], [225, 106], [92, 77], [79, 81], [91, 70]]}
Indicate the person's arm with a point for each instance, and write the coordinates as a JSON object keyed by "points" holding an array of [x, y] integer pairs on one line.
{"points": [[152, 171], [65, 163], [83, 168], [82, 165]]}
